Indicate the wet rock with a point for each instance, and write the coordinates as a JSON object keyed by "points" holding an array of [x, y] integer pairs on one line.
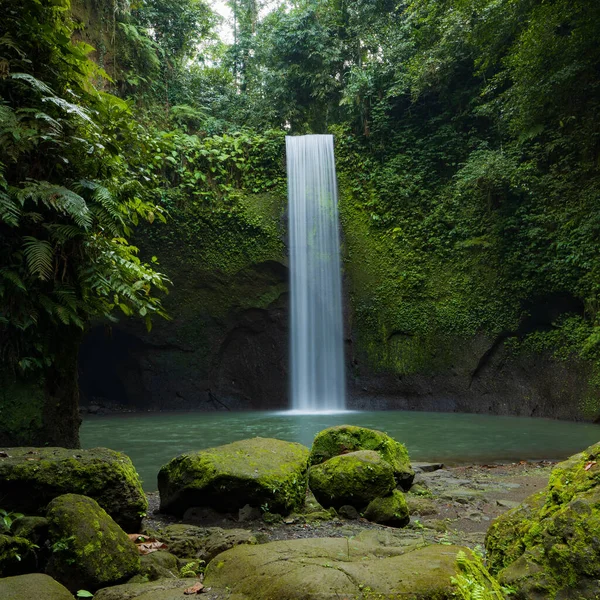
{"points": [[549, 545], [423, 467], [355, 478], [159, 565], [333, 567], [258, 472], [31, 477], [349, 438], [90, 550], [34, 586], [420, 505], [391, 510]]}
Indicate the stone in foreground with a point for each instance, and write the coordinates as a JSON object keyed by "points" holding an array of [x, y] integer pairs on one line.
{"points": [[163, 589], [31, 477], [355, 479], [328, 568], [34, 586], [90, 550], [350, 438], [548, 547], [259, 472], [390, 510]]}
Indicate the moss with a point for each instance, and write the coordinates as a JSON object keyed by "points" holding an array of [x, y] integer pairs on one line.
{"points": [[551, 542], [17, 555], [347, 438], [355, 478], [90, 549], [31, 477], [33, 585], [258, 472], [390, 510]]}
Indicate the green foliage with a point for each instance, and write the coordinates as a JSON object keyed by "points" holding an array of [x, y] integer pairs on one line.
{"points": [[68, 197], [7, 519]]}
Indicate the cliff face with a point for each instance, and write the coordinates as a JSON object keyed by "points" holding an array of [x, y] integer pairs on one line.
{"points": [[412, 342]]}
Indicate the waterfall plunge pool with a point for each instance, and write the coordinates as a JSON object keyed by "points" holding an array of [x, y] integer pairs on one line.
{"points": [[152, 439]]}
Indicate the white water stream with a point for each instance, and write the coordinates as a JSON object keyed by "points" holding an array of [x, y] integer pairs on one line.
{"points": [[317, 345]]}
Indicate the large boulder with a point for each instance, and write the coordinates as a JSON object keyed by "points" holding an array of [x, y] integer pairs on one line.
{"points": [[390, 510], [355, 479], [350, 438], [548, 547], [90, 550], [259, 472], [330, 568], [31, 477], [35, 586]]}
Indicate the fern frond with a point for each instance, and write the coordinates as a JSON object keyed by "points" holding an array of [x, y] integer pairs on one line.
{"points": [[33, 82], [63, 233], [13, 278], [70, 108], [39, 255], [9, 210], [59, 198]]}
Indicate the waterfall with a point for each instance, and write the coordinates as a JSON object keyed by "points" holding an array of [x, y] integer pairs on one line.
{"points": [[317, 344]]}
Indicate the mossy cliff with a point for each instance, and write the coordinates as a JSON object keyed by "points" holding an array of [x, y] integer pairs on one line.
{"points": [[432, 322]]}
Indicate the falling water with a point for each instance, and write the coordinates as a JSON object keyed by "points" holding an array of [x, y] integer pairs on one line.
{"points": [[316, 356]]}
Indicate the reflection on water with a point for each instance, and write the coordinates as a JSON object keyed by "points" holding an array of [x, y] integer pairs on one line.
{"points": [[152, 439]]}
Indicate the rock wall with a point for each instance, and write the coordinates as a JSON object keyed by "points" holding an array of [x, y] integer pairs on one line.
{"points": [[413, 339]]}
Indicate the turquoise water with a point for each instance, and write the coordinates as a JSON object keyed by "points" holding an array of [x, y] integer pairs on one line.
{"points": [[152, 439]]}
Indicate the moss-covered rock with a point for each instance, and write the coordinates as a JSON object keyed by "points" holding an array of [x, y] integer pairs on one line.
{"points": [[333, 568], [349, 438], [355, 478], [17, 556], [31, 477], [390, 510], [159, 565], [548, 546], [258, 472], [163, 589], [203, 543], [34, 586], [90, 550]]}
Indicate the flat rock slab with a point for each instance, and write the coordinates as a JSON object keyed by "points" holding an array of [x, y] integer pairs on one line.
{"points": [[424, 467], [35, 586], [31, 477], [163, 589], [328, 568]]}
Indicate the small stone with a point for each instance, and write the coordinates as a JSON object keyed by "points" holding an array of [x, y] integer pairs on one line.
{"points": [[348, 512]]}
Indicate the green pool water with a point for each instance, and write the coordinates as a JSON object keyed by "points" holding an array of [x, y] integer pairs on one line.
{"points": [[152, 439]]}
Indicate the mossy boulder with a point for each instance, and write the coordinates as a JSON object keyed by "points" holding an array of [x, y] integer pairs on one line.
{"points": [[549, 546], [390, 510], [17, 556], [34, 586], [320, 568], [203, 543], [90, 550], [31, 477], [350, 438], [258, 472], [159, 565], [355, 478]]}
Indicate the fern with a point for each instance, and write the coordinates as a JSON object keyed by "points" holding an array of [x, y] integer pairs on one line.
{"points": [[474, 582], [39, 255], [9, 210]]}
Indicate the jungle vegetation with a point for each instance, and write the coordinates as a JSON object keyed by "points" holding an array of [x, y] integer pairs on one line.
{"points": [[468, 141]]}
